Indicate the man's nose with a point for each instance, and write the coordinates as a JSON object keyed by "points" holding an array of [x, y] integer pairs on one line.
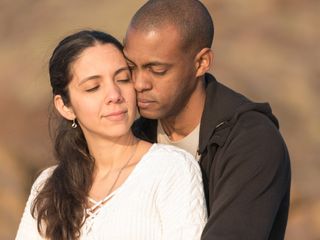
{"points": [[141, 80]]}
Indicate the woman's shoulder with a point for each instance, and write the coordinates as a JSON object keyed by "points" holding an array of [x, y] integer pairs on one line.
{"points": [[42, 177], [165, 154], [175, 168]]}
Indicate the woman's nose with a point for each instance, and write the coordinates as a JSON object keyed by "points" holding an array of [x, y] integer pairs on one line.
{"points": [[113, 95]]}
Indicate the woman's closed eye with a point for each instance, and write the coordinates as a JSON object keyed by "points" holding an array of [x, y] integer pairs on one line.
{"points": [[123, 80], [123, 77], [92, 89]]}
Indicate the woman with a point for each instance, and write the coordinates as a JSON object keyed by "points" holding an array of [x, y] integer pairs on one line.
{"points": [[107, 183]]}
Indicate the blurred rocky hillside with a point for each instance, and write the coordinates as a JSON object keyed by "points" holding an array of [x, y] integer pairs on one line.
{"points": [[268, 50]]}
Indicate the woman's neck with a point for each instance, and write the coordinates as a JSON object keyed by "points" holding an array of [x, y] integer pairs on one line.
{"points": [[111, 154]]}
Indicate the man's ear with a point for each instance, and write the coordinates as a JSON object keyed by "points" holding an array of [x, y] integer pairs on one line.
{"points": [[65, 111], [204, 60]]}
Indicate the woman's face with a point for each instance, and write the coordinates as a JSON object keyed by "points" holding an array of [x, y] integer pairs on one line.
{"points": [[102, 97]]}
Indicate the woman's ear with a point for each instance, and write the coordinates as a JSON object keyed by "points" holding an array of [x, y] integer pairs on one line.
{"points": [[204, 60], [65, 111]]}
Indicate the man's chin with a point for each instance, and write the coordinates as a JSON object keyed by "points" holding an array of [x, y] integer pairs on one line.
{"points": [[149, 114]]}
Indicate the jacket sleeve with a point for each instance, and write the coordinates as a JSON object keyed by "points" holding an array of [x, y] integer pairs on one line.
{"points": [[249, 184]]}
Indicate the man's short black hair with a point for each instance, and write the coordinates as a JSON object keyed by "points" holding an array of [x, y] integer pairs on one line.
{"points": [[190, 17]]}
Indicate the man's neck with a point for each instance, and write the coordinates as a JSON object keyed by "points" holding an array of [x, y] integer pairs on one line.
{"points": [[180, 125]]}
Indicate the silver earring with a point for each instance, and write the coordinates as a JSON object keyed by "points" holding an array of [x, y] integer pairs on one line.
{"points": [[74, 124]]}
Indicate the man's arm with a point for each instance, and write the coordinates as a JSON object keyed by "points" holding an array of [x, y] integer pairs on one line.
{"points": [[249, 185]]}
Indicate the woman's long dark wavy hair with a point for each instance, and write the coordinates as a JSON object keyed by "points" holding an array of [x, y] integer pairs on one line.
{"points": [[60, 205]]}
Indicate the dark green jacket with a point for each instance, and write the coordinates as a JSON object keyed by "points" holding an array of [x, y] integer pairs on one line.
{"points": [[245, 166]]}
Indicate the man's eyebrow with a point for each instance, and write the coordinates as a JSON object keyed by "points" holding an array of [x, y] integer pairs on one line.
{"points": [[156, 63], [149, 64]]}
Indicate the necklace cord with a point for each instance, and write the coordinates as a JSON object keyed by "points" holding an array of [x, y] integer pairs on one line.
{"points": [[101, 202]]}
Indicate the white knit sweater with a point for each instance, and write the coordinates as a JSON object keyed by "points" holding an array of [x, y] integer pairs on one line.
{"points": [[161, 199]]}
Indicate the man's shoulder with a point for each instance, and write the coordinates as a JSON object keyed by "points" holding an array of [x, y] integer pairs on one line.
{"points": [[258, 128], [222, 103], [227, 111], [216, 89], [225, 103]]}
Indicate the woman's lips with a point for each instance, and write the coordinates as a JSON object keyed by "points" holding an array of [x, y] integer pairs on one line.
{"points": [[116, 115]]}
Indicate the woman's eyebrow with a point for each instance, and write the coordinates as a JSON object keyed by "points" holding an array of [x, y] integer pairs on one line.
{"points": [[121, 70], [93, 77]]}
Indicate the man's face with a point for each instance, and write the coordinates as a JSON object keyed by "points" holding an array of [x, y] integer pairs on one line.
{"points": [[163, 74]]}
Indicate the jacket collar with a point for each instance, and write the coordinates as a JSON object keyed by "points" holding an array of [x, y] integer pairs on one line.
{"points": [[218, 108], [222, 108]]}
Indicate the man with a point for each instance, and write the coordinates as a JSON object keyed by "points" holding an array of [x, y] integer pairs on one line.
{"points": [[245, 163]]}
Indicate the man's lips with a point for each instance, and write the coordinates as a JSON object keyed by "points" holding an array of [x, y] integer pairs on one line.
{"points": [[144, 103]]}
